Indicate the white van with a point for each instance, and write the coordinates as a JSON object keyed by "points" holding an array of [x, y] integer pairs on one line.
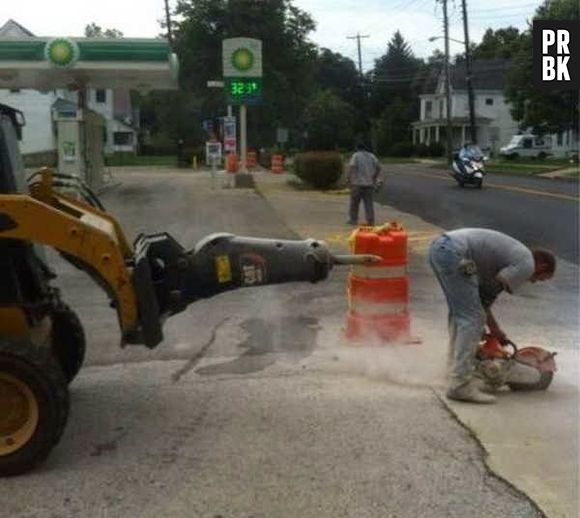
{"points": [[527, 146]]}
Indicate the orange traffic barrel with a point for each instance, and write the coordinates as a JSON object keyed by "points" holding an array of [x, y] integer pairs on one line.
{"points": [[277, 164], [378, 293], [251, 159], [232, 163]]}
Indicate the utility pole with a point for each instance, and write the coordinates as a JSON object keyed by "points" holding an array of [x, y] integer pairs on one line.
{"points": [[449, 130], [358, 37], [168, 21], [468, 72]]}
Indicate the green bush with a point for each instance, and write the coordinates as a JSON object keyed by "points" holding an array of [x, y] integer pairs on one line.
{"points": [[436, 149], [321, 169], [401, 149], [421, 150]]}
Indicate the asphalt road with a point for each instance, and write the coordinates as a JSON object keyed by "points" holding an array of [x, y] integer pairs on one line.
{"points": [[277, 419], [538, 212]]}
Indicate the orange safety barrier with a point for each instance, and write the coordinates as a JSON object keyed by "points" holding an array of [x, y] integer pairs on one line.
{"points": [[277, 164], [232, 163], [251, 159], [378, 294]]}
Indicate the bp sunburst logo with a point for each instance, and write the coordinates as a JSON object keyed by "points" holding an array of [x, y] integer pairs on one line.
{"points": [[243, 59], [61, 52]]}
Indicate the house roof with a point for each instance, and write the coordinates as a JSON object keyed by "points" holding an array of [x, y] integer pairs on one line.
{"points": [[14, 29], [487, 74]]}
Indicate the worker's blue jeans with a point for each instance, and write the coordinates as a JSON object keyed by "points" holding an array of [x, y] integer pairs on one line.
{"points": [[364, 193], [466, 314]]}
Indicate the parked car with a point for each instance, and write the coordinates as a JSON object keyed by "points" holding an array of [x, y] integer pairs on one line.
{"points": [[528, 146]]}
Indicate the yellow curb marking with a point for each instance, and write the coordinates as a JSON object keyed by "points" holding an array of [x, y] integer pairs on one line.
{"points": [[502, 187]]}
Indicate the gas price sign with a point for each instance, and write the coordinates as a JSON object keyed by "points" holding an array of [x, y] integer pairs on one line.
{"points": [[244, 90]]}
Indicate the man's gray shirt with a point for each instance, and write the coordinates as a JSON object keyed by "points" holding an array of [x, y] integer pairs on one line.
{"points": [[495, 254], [364, 168]]}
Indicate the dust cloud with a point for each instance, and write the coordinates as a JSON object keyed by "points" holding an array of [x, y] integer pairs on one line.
{"points": [[420, 362]]}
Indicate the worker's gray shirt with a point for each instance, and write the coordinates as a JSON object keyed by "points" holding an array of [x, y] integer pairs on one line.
{"points": [[363, 168], [495, 254]]}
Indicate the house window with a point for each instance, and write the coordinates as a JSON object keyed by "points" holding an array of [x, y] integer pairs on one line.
{"points": [[560, 138], [428, 109], [441, 106], [101, 95], [122, 138], [489, 101]]}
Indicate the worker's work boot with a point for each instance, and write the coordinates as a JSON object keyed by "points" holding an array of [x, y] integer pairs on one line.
{"points": [[469, 393]]}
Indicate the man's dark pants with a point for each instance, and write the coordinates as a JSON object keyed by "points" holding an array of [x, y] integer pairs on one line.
{"points": [[364, 193]]}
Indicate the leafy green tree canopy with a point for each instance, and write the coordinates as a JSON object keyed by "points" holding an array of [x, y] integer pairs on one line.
{"points": [[544, 111], [92, 30], [329, 122]]}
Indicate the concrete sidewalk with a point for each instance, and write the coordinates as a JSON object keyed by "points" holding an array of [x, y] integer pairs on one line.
{"points": [[532, 440]]}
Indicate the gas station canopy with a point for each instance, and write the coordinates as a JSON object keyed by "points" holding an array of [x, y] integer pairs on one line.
{"points": [[50, 63]]}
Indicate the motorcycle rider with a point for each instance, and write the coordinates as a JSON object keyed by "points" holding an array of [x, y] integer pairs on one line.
{"points": [[473, 266], [469, 151]]}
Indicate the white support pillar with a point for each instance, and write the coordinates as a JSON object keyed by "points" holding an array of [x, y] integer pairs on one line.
{"points": [[437, 133], [243, 139], [462, 134]]}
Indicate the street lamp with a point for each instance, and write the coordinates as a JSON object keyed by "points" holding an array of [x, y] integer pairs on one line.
{"points": [[433, 38]]}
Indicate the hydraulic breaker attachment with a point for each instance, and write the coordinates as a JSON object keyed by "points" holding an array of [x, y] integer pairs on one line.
{"points": [[168, 278]]}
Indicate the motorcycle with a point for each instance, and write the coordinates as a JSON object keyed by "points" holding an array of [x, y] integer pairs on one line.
{"points": [[528, 368], [469, 171]]}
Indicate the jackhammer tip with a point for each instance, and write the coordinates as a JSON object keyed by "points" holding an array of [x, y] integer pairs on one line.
{"points": [[356, 259]]}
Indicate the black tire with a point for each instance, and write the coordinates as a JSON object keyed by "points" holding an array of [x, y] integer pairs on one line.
{"points": [[30, 373], [479, 184], [542, 384], [68, 341]]}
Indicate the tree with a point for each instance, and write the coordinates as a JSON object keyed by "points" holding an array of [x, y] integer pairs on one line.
{"points": [[502, 43], [338, 74], [329, 122], [395, 84], [92, 30], [546, 112]]}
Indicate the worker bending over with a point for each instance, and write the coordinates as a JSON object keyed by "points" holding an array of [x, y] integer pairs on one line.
{"points": [[473, 266]]}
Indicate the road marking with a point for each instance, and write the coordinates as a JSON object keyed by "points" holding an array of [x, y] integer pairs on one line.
{"points": [[499, 186]]}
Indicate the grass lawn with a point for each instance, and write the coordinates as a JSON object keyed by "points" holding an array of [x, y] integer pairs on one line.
{"points": [[135, 160], [525, 167], [397, 160]]}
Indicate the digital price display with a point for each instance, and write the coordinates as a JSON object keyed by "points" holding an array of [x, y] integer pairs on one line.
{"points": [[244, 90]]}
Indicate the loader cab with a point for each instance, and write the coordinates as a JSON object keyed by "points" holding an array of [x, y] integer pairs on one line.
{"points": [[12, 175], [23, 273]]}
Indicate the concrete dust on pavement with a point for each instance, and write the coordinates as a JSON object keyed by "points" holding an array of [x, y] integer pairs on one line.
{"points": [[532, 440], [255, 405]]}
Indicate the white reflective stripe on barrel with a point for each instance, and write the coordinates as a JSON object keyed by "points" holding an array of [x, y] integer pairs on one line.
{"points": [[367, 308], [379, 272]]}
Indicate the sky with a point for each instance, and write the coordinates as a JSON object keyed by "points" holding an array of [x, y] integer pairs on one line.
{"points": [[336, 20]]}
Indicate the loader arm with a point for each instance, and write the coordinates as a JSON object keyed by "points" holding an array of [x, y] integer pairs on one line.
{"points": [[158, 277], [89, 238]]}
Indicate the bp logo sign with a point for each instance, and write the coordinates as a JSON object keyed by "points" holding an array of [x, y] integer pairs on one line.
{"points": [[242, 59], [61, 52]]}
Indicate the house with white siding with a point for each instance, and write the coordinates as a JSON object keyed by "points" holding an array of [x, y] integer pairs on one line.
{"points": [[494, 124]]}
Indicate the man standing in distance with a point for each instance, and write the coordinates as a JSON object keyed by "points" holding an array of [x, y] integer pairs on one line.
{"points": [[364, 178]]}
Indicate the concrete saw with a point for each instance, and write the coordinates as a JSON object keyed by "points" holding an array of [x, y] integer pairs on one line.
{"points": [[525, 369]]}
